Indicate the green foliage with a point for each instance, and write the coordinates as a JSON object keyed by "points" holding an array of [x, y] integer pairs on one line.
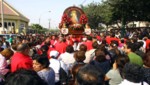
{"points": [[36, 26], [98, 13], [92, 14], [117, 11], [39, 28]]}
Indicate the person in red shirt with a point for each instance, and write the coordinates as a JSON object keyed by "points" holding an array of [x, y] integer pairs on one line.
{"points": [[69, 41], [88, 43], [147, 40], [61, 45], [112, 38], [20, 59]]}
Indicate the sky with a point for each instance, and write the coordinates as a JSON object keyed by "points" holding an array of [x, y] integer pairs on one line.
{"points": [[45, 10]]}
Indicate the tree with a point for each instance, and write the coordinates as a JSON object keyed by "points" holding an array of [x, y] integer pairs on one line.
{"points": [[125, 11], [36, 27], [39, 28], [111, 12], [98, 13], [91, 12]]}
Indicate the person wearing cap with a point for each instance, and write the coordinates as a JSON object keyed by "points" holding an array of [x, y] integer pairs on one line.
{"points": [[56, 65]]}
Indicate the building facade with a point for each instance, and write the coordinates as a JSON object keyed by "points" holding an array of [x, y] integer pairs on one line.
{"points": [[14, 21]]}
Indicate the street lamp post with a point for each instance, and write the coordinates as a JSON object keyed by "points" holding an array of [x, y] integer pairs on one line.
{"points": [[49, 23], [2, 15], [41, 16]]}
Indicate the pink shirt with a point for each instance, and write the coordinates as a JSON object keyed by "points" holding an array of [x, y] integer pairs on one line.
{"points": [[3, 65]]}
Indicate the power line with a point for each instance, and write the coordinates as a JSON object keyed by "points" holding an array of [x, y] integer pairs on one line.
{"points": [[83, 2]]}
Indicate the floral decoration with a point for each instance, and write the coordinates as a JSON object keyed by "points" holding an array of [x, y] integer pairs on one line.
{"points": [[65, 19], [83, 19], [68, 23]]}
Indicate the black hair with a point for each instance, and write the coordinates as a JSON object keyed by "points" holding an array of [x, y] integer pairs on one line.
{"points": [[83, 47], [89, 37], [24, 77], [44, 48], [90, 75], [122, 40], [121, 60], [133, 73], [131, 46], [43, 60], [95, 45], [100, 55], [79, 56], [69, 49]]}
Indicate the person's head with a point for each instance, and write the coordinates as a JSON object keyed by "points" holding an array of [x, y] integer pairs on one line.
{"points": [[54, 54], [90, 75], [1, 43], [53, 37], [24, 77], [113, 35], [69, 49], [47, 42], [83, 47], [138, 45], [79, 56], [40, 63], [132, 73], [146, 59], [75, 69], [7, 53], [62, 39], [114, 44], [122, 40], [129, 47], [44, 49], [14, 48], [23, 48], [95, 45], [89, 38], [100, 55], [120, 62]]}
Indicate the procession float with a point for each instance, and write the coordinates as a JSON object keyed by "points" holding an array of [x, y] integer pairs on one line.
{"points": [[74, 21]]}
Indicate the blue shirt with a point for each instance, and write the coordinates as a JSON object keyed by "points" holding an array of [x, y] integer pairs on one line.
{"points": [[48, 76]]}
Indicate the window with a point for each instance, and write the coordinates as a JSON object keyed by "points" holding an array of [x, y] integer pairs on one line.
{"points": [[5, 25], [13, 24], [132, 25], [9, 24], [0, 24]]}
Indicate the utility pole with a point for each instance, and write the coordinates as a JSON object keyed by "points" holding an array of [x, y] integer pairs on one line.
{"points": [[41, 16], [49, 23], [2, 15]]}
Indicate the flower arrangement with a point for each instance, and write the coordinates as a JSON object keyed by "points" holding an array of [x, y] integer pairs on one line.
{"points": [[66, 22], [65, 19], [83, 19]]}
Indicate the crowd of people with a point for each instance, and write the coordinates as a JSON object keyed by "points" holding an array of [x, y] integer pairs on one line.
{"points": [[55, 59]]}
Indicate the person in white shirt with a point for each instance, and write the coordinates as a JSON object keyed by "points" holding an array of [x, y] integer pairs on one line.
{"points": [[67, 57], [91, 53], [56, 65]]}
